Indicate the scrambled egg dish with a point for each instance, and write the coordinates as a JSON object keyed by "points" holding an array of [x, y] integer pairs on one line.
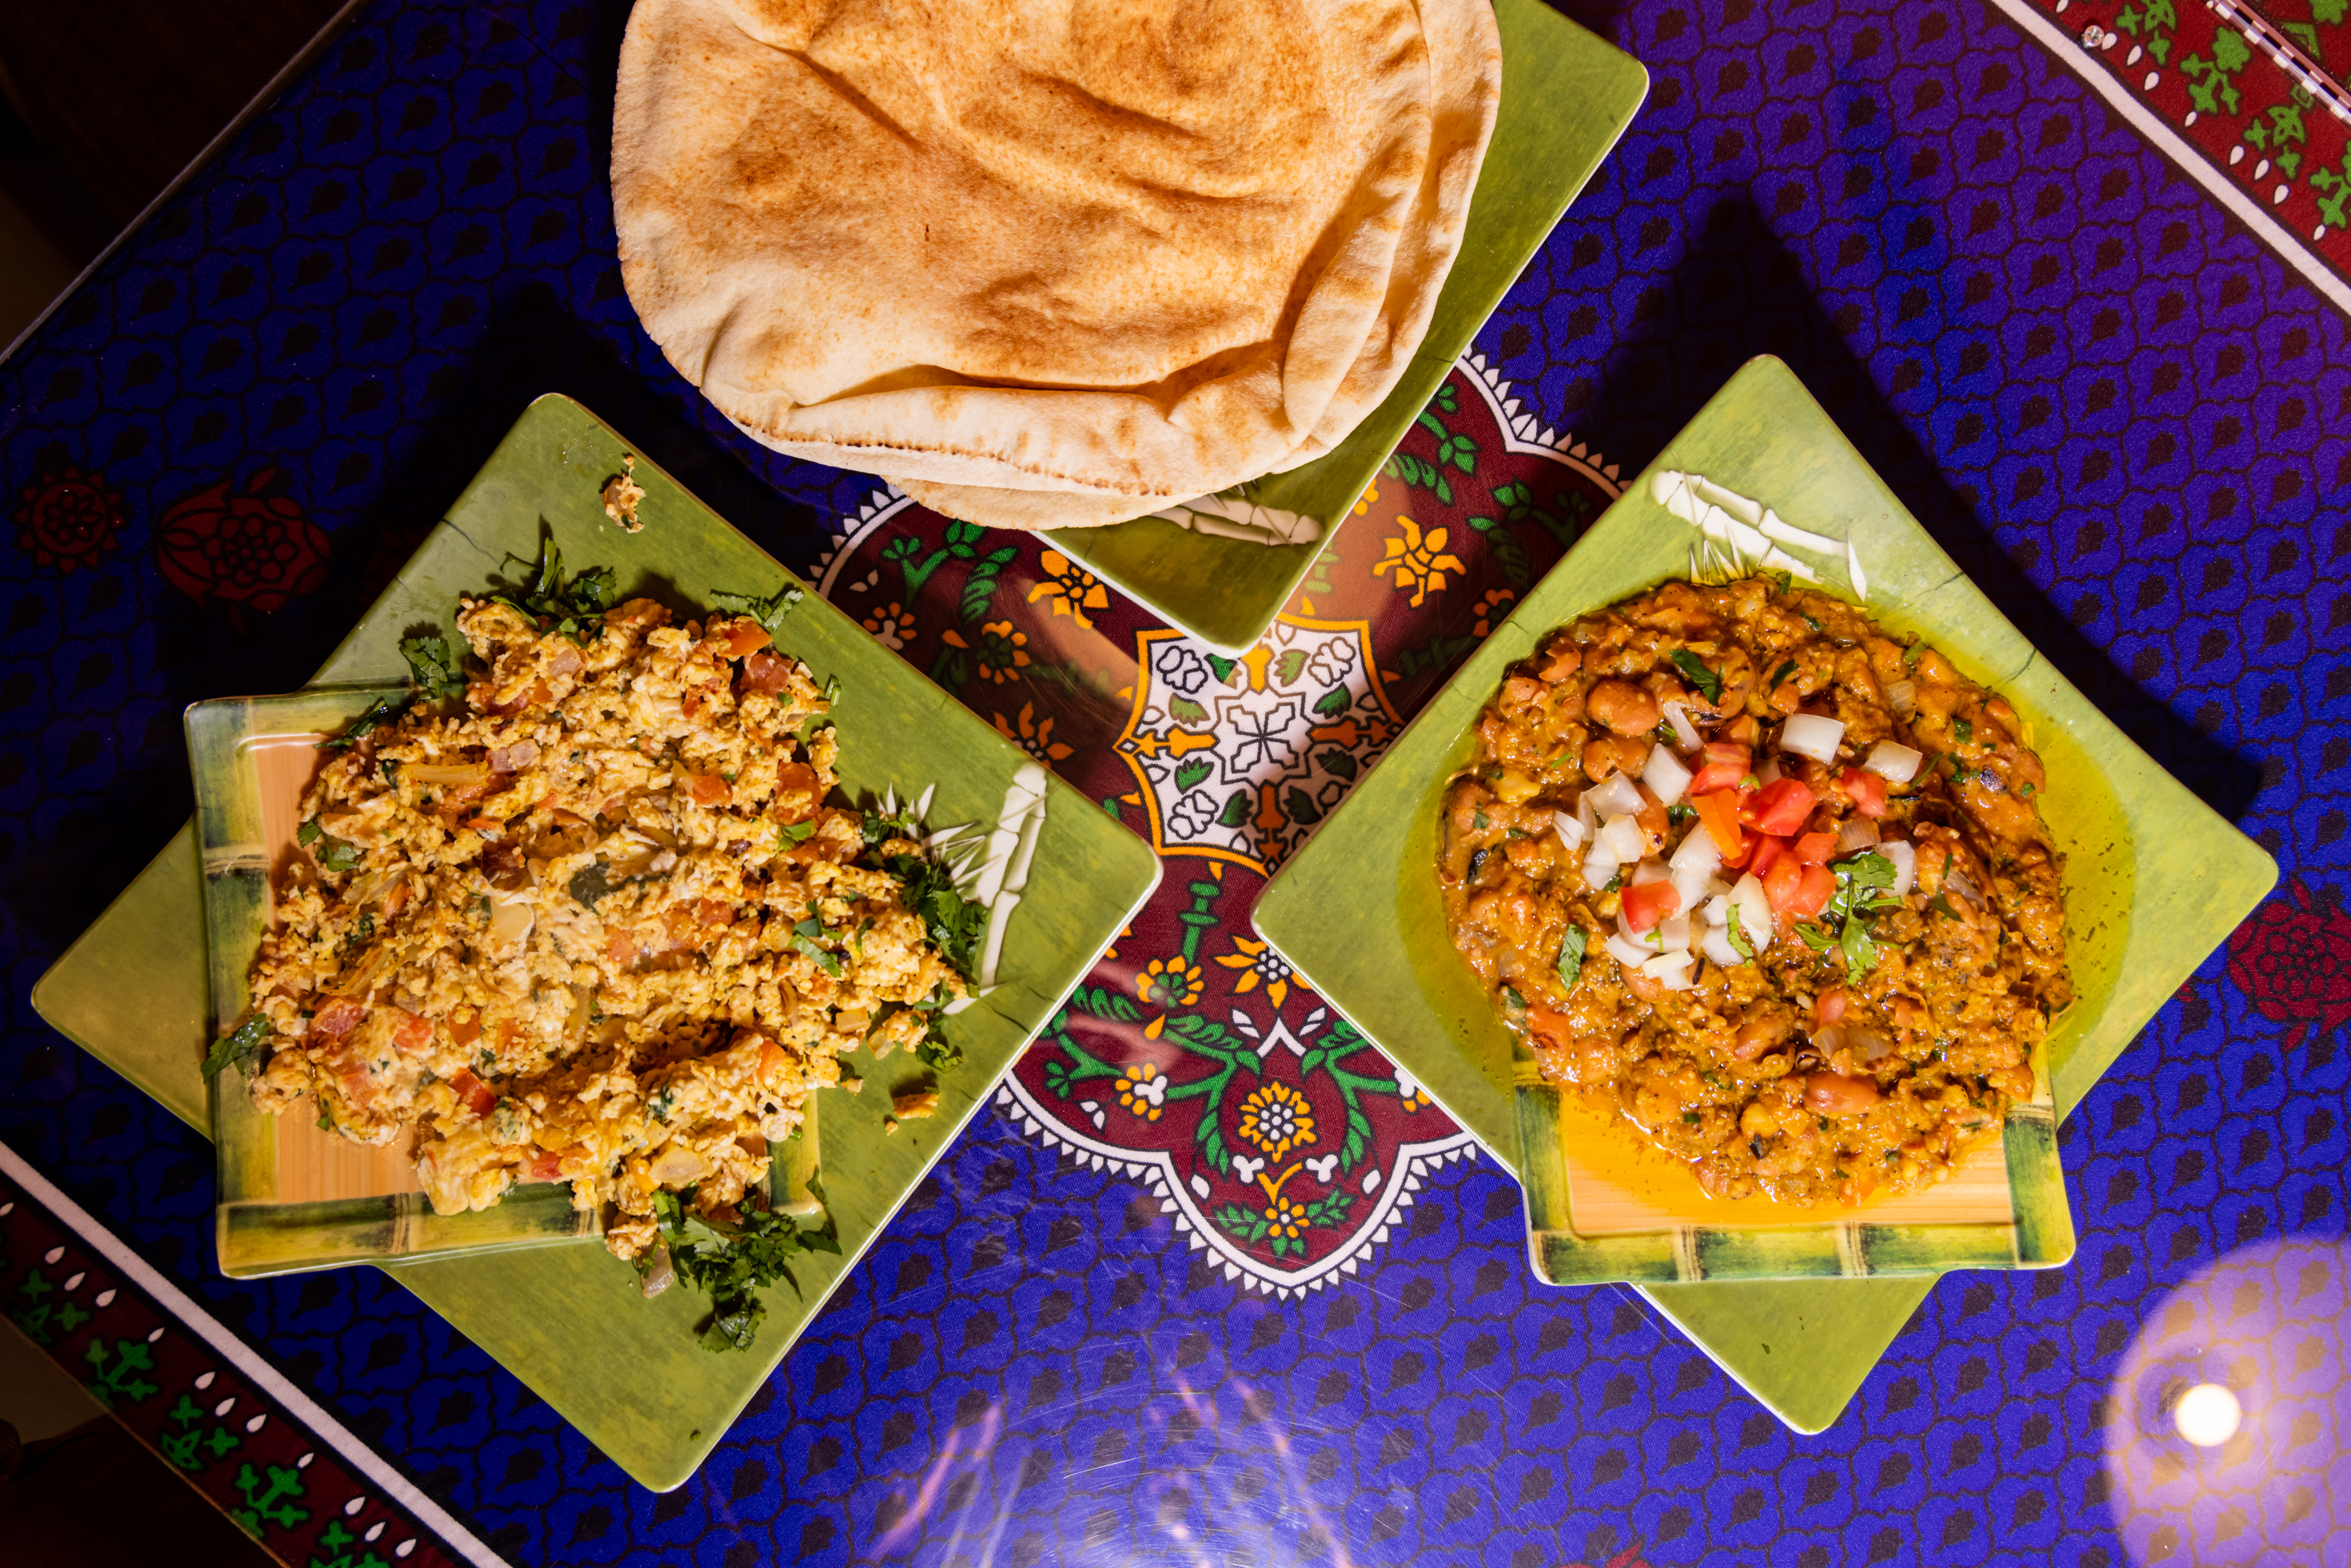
{"points": [[597, 927]]}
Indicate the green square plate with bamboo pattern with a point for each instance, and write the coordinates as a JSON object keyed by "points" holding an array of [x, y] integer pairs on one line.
{"points": [[1224, 573], [2153, 881], [564, 1316]]}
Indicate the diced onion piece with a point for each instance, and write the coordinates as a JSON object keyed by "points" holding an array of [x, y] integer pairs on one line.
{"points": [[1855, 833], [1648, 871], [1905, 860], [1618, 796], [1674, 933], [1693, 864], [1648, 942], [1965, 886], [1686, 735], [1717, 947], [1600, 865], [1754, 911], [1769, 773], [1671, 971], [1717, 888], [1666, 776], [1622, 834], [1902, 696], [1626, 952], [1894, 762], [1570, 831], [1811, 735], [1717, 909], [1586, 817]]}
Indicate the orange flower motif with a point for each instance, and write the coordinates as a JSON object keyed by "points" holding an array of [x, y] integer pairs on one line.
{"points": [[1070, 588], [1491, 609], [1419, 562], [1142, 1089], [1262, 964], [1285, 1218], [1003, 650], [1368, 499], [892, 626], [1034, 735], [1275, 1117], [1169, 982]]}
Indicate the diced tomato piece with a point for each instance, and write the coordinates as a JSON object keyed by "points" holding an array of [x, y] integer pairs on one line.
{"points": [[1813, 888], [796, 792], [708, 789], [1649, 903], [1868, 790], [1815, 849], [1715, 775], [1769, 852], [1830, 1005], [337, 1018], [409, 1033], [465, 1031], [764, 672], [1718, 811], [715, 912], [1781, 885], [771, 1059], [1730, 752], [680, 929], [1780, 808], [743, 639], [1549, 1025], [621, 945], [544, 1165], [477, 1095]]}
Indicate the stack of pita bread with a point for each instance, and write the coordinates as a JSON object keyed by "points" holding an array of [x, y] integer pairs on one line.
{"points": [[1048, 263]]}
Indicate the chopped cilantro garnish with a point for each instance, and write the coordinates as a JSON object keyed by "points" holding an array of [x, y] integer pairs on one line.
{"points": [[1572, 950], [2025, 788], [378, 713], [1860, 952], [1680, 812], [1780, 676], [731, 1262], [769, 612], [1709, 684], [576, 607], [437, 673], [1942, 907], [796, 832], [807, 937], [1818, 940], [1736, 931], [239, 1046], [1964, 730], [309, 833], [1478, 819], [338, 855], [1692, 1117], [954, 923], [389, 767]]}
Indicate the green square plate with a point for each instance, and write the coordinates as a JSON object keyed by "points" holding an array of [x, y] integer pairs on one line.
{"points": [[1567, 97], [567, 1318], [2154, 879]]}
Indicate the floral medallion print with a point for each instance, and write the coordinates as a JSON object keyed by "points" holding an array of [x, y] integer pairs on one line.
{"points": [[247, 548], [2293, 958], [1193, 1057], [66, 518]]}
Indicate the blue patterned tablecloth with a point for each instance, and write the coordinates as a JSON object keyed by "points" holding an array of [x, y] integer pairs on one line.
{"points": [[2128, 422]]}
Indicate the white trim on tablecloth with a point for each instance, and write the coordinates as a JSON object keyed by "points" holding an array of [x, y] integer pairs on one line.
{"points": [[182, 1308]]}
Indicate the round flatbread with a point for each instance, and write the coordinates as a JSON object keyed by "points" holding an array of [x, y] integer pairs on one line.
{"points": [[1130, 250]]}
